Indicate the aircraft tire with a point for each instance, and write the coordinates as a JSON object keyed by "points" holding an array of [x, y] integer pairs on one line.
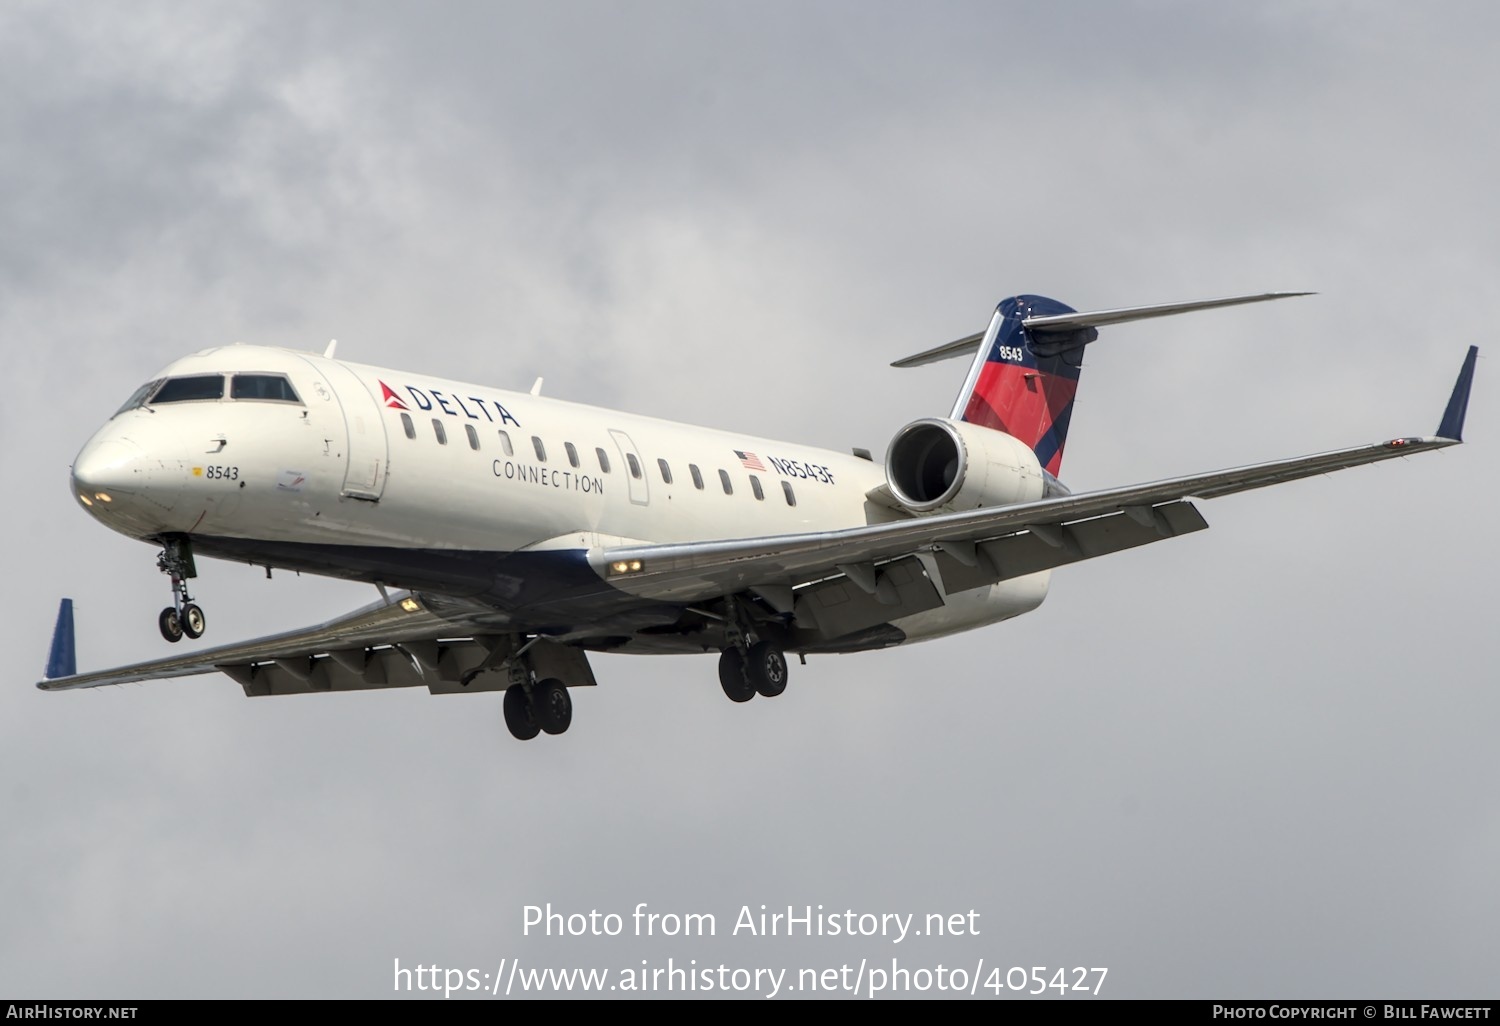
{"points": [[732, 676], [553, 705], [766, 668], [520, 717], [170, 624], [194, 623]]}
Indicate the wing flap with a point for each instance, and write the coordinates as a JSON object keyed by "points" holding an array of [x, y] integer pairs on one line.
{"points": [[1020, 554], [843, 605], [302, 674]]}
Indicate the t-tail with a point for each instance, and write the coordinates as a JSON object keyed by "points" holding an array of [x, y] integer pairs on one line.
{"points": [[1024, 377]]}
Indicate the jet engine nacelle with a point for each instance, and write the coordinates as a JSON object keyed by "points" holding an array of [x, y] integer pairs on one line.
{"points": [[947, 464]]}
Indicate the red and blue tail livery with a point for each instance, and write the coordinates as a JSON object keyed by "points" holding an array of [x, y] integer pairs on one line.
{"points": [[1028, 377]]}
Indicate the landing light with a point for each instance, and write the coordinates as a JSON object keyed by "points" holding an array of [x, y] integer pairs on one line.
{"points": [[625, 566], [410, 604], [85, 499], [103, 497]]}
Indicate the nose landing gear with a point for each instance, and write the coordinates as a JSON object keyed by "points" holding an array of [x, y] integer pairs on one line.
{"points": [[183, 616]]}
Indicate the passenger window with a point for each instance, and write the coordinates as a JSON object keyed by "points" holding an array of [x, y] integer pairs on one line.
{"points": [[603, 460], [572, 454], [182, 390], [273, 387], [666, 471], [791, 496], [635, 465], [505, 443], [697, 477], [408, 426], [724, 480], [438, 430], [755, 487], [541, 450], [473, 437]]}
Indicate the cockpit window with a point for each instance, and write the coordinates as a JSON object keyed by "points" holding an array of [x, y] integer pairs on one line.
{"points": [[181, 390], [138, 397], [273, 387]]}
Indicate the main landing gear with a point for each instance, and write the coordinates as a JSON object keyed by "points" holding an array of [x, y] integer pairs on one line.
{"points": [[535, 706], [750, 667], [183, 616], [759, 669]]}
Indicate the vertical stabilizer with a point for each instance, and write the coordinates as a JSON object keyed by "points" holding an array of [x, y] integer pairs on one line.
{"points": [[1023, 382]]}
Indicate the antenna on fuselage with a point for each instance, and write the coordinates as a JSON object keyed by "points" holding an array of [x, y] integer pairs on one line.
{"points": [[333, 344], [536, 387]]}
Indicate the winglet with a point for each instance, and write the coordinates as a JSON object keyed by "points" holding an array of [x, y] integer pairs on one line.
{"points": [[1458, 404], [63, 662]]}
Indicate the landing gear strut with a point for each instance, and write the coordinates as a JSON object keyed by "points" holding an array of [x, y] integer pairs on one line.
{"points": [[749, 666], [183, 616], [533, 706]]}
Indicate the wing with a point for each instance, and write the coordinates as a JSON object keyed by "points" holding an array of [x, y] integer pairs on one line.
{"points": [[985, 545], [409, 641], [698, 570]]}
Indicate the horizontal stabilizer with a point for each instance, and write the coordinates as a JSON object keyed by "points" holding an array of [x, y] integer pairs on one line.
{"points": [[1099, 318], [1091, 319], [961, 347]]}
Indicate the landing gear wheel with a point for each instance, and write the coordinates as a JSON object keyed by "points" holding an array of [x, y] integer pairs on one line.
{"points": [[520, 717], [192, 620], [170, 624], [554, 707], [732, 676], [765, 668]]}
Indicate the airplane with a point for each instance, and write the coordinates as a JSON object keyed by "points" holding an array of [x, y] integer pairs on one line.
{"points": [[511, 535]]}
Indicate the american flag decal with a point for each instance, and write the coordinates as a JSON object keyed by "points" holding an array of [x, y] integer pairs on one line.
{"points": [[751, 461]]}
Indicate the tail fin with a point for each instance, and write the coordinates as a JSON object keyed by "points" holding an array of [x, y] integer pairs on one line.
{"points": [[1023, 383], [1025, 374]]}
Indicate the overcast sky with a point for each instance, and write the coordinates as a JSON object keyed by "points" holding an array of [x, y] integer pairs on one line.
{"points": [[1254, 762]]}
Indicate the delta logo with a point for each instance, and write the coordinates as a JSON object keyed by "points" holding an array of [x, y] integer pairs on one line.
{"points": [[431, 399], [390, 397]]}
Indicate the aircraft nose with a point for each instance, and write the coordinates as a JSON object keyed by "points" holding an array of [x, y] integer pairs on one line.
{"points": [[106, 469]]}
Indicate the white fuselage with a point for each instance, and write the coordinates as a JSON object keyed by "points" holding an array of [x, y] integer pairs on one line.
{"points": [[388, 476]]}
